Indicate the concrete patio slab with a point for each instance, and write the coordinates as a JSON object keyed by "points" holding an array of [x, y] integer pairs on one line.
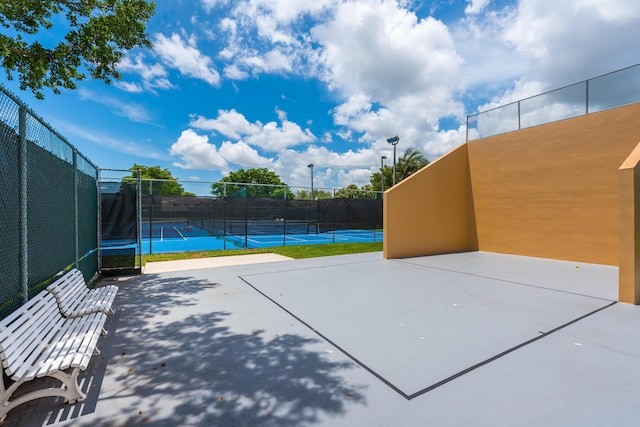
{"points": [[358, 340], [419, 326], [211, 262]]}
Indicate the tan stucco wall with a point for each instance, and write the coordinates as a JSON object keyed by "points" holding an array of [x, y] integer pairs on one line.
{"points": [[629, 271], [552, 191], [432, 211]]}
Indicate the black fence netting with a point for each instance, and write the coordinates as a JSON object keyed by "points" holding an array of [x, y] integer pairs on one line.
{"points": [[118, 212], [349, 214], [48, 205], [189, 216], [119, 223]]}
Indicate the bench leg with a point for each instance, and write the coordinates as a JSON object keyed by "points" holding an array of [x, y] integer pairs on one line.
{"points": [[70, 391]]}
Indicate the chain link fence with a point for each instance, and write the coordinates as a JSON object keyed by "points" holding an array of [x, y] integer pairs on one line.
{"points": [[226, 215], [180, 216], [48, 205]]}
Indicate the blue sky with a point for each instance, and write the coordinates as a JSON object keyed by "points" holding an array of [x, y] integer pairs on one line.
{"points": [[280, 84]]}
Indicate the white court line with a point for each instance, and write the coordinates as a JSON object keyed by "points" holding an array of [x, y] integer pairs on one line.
{"points": [[177, 231]]}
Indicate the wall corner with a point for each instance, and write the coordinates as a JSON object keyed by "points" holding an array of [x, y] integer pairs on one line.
{"points": [[629, 264]]}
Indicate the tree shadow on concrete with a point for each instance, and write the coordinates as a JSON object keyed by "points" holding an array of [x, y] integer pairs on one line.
{"points": [[164, 369]]}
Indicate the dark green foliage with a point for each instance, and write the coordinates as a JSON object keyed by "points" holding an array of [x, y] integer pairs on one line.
{"points": [[272, 187], [99, 33], [164, 183]]}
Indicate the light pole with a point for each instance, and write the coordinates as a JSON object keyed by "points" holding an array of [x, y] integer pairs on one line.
{"points": [[382, 172], [394, 141], [310, 166]]}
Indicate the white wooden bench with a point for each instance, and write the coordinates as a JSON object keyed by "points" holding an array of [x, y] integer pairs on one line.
{"points": [[38, 341], [76, 299]]}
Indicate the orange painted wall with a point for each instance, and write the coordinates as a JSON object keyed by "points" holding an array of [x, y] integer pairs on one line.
{"points": [[431, 211], [550, 191]]}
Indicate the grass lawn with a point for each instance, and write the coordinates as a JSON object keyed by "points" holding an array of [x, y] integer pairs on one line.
{"points": [[296, 252]]}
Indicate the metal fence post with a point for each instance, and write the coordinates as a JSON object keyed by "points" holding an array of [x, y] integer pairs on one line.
{"points": [[139, 217], [587, 97], [24, 249], [467, 140], [99, 219], [76, 226], [150, 217]]}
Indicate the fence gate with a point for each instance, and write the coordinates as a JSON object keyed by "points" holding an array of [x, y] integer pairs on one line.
{"points": [[120, 240]]}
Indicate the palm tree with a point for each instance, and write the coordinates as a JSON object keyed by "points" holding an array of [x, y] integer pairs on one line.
{"points": [[409, 163]]}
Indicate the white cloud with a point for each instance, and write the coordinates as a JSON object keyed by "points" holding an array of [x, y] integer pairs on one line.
{"points": [[153, 76], [269, 137], [397, 73], [196, 152], [275, 138], [386, 52], [569, 40], [228, 123], [476, 6], [243, 155], [272, 61], [211, 4], [359, 177], [233, 72], [185, 57], [128, 86]]}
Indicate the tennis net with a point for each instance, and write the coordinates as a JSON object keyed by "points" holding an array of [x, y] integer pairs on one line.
{"points": [[261, 227]]}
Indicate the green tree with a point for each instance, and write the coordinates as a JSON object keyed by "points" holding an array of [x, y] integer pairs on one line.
{"points": [[166, 184], [387, 173], [99, 33], [352, 191], [409, 163], [317, 194], [272, 186]]}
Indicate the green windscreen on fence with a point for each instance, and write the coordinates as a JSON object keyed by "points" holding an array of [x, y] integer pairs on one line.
{"points": [[10, 286], [48, 205], [87, 217], [50, 213]]}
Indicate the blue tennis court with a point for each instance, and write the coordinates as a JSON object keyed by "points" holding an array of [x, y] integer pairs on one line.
{"points": [[187, 243], [179, 237]]}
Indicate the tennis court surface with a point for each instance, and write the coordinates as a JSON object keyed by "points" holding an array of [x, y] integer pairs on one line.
{"points": [[176, 237], [450, 340]]}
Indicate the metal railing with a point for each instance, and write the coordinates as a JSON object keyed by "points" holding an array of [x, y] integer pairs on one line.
{"points": [[607, 91]]}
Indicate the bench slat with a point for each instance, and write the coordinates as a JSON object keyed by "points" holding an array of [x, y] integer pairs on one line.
{"points": [[36, 341], [76, 299], [30, 335]]}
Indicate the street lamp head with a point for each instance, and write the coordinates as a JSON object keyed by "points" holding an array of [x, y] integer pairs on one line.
{"points": [[393, 140], [384, 157], [310, 165]]}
